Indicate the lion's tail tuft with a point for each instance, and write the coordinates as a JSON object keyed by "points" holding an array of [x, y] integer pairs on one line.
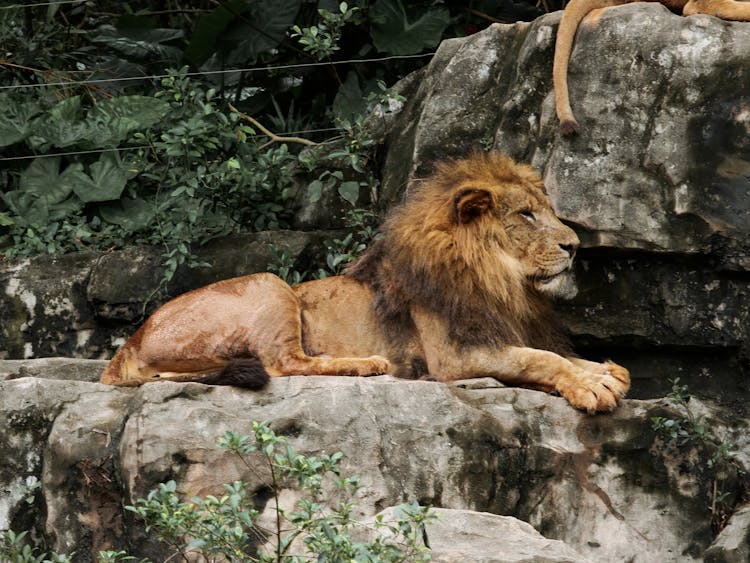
{"points": [[245, 372], [569, 128]]}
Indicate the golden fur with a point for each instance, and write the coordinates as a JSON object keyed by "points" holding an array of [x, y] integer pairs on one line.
{"points": [[576, 10], [456, 288]]}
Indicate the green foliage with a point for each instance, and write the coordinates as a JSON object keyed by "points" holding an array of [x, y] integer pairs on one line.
{"points": [[690, 430], [229, 35], [226, 527], [118, 557], [321, 520], [393, 32], [322, 40], [14, 548], [283, 266], [343, 251], [107, 154], [339, 251]]}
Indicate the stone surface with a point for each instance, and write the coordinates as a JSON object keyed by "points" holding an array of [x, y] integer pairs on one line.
{"points": [[467, 536], [69, 369], [733, 544], [607, 486], [662, 163]]}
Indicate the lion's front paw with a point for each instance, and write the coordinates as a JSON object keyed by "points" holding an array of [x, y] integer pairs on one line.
{"points": [[617, 378], [594, 392]]}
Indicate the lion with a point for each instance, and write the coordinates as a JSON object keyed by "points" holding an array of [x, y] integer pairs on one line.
{"points": [[458, 286], [576, 10]]}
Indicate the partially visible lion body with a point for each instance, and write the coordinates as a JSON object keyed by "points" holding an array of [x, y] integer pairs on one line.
{"points": [[456, 288], [577, 10]]}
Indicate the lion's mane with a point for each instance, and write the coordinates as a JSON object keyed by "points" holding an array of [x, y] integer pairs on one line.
{"points": [[464, 272]]}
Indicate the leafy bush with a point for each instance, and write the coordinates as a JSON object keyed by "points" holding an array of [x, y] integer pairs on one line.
{"points": [[104, 148], [320, 523], [689, 430], [227, 527], [96, 157]]}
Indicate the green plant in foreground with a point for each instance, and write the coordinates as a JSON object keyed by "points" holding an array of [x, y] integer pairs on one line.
{"points": [[694, 430], [320, 525]]}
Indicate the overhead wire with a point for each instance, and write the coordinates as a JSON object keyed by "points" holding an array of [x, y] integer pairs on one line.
{"points": [[214, 72], [160, 76], [40, 4]]}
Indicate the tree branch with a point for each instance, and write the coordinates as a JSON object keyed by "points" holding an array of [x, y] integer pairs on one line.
{"points": [[273, 136]]}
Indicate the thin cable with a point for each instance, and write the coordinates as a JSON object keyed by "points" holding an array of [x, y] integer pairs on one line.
{"points": [[135, 147], [211, 72], [11, 6], [93, 151]]}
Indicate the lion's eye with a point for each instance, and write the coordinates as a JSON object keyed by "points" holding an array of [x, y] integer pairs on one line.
{"points": [[528, 215]]}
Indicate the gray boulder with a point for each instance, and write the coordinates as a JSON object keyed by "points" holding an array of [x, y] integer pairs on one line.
{"points": [[458, 536], [656, 187], [733, 544], [607, 486], [663, 159]]}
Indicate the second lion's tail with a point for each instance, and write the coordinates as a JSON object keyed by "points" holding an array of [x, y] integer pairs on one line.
{"points": [[574, 13]]}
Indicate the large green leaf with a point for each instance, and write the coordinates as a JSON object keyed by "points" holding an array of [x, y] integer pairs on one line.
{"points": [[140, 43], [15, 119], [6, 220], [145, 110], [351, 99], [27, 209], [64, 209], [111, 121], [42, 178], [393, 33], [60, 126], [349, 191], [240, 30], [106, 180], [130, 214], [208, 28]]}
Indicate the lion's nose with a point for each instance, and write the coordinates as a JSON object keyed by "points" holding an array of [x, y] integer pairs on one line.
{"points": [[570, 249]]}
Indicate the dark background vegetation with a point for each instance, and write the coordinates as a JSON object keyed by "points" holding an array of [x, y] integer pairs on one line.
{"points": [[140, 122]]}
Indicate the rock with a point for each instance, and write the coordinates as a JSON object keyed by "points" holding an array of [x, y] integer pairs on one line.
{"points": [[53, 368], [662, 162], [656, 187], [607, 486], [733, 544], [468, 536], [43, 306]]}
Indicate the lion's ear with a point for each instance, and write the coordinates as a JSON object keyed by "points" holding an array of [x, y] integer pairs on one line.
{"points": [[469, 205]]}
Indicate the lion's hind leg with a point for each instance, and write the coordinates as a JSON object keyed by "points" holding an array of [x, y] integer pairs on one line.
{"points": [[298, 363]]}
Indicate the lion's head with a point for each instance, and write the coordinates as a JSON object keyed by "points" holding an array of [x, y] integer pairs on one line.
{"points": [[478, 239], [501, 210]]}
